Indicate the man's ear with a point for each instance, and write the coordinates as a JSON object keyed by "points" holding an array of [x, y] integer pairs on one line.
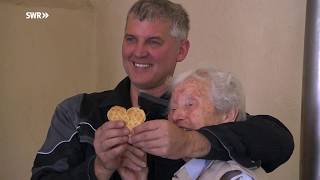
{"points": [[183, 50], [230, 116]]}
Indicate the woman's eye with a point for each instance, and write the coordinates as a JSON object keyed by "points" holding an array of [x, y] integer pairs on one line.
{"points": [[190, 102]]}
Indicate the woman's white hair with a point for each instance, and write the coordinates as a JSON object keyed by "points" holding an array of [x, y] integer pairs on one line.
{"points": [[226, 90]]}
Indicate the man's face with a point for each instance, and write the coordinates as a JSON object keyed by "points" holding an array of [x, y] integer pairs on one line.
{"points": [[192, 107], [149, 52]]}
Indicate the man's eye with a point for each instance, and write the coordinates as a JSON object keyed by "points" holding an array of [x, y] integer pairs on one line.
{"points": [[154, 43], [130, 39]]}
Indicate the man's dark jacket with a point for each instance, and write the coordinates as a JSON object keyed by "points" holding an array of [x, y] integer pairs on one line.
{"points": [[68, 151]]}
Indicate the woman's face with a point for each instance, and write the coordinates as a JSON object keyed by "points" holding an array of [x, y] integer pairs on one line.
{"points": [[192, 106]]}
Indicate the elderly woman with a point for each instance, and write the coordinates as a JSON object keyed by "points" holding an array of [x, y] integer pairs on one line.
{"points": [[207, 97]]}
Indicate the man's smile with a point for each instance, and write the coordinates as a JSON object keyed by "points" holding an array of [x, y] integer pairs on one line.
{"points": [[141, 65]]}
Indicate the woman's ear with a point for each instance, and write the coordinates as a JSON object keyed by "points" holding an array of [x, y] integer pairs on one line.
{"points": [[230, 116]]}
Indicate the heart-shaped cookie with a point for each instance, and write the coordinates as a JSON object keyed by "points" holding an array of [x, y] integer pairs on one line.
{"points": [[132, 117]]}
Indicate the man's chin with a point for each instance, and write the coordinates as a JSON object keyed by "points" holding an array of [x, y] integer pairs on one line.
{"points": [[145, 85]]}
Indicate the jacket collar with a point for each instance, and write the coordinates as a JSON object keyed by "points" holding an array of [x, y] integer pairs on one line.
{"points": [[118, 96], [95, 104]]}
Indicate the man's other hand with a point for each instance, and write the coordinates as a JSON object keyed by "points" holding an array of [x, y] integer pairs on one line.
{"points": [[110, 143]]}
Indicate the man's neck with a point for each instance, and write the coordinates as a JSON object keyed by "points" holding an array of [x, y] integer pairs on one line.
{"points": [[157, 92]]}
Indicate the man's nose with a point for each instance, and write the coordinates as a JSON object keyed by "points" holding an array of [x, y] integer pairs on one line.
{"points": [[140, 51]]}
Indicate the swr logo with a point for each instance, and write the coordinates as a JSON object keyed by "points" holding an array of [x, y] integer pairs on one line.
{"points": [[37, 15]]}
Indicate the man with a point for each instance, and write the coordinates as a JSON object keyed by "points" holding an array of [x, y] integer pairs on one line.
{"points": [[82, 144]]}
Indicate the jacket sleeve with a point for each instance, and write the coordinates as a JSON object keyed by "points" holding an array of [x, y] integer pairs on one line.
{"points": [[62, 155], [260, 140]]}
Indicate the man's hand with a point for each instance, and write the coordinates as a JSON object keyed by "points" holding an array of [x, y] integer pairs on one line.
{"points": [[134, 164], [161, 138], [110, 143], [165, 139]]}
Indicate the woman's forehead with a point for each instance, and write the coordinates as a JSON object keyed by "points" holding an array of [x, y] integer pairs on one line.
{"points": [[191, 87], [192, 84]]}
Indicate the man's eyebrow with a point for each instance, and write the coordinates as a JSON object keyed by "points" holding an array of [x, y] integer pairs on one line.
{"points": [[127, 34], [155, 38]]}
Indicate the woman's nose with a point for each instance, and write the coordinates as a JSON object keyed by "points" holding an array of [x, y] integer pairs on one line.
{"points": [[177, 115]]}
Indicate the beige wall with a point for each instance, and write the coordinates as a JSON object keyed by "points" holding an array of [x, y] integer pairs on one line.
{"points": [[78, 49], [41, 62]]}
